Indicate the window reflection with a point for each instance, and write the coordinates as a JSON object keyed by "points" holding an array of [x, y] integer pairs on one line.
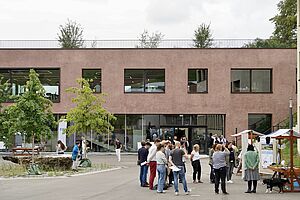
{"points": [[94, 78], [197, 80]]}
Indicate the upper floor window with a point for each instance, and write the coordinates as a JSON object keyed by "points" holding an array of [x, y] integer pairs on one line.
{"points": [[49, 78], [144, 80], [94, 78], [260, 122], [197, 80], [251, 80]]}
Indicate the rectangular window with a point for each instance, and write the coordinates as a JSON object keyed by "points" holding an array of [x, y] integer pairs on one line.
{"points": [[144, 80], [197, 80], [49, 78], [251, 80], [260, 122], [94, 78]]}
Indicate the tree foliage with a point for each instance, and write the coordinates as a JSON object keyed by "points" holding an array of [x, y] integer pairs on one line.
{"points": [[285, 33], [88, 114], [71, 35], [31, 114], [148, 40], [203, 36]]}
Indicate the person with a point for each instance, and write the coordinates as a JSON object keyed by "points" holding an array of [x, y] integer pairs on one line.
{"points": [[151, 159], [168, 151], [142, 161], [195, 159], [210, 140], [251, 168], [231, 162], [219, 166], [175, 159], [161, 162], [118, 146], [75, 152], [212, 174], [60, 147], [223, 140]]}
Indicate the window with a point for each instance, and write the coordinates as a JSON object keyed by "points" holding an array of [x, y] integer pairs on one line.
{"points": [[49, 78], [251, 80], [197, 80], [144, 81], [260, 122], [94, 78]]}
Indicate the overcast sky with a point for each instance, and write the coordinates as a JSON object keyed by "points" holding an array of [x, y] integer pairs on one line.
{"points": [[126, 19]]}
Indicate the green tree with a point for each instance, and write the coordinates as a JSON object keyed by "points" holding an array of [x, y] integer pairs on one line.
{"points": [[71, 35], [88, 114], [148, 40], [203, 36], [31, 114], [265, 43]]}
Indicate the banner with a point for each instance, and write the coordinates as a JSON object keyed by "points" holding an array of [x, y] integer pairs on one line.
{"points": [[62, 125]]}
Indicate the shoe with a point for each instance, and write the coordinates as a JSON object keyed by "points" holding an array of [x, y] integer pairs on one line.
{"points": [[230, 181], [225, 193], [187, 193], [176, 193], [200, 181], [194, 182], [162, 192], [216, 192], [253, 191], [248, 191]]}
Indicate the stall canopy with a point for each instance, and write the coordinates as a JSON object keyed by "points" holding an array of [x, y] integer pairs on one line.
{"points": [[247, 132], [281, 132]]}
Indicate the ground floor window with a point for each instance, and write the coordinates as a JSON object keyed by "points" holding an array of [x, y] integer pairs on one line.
{"points": [[260, 122]]}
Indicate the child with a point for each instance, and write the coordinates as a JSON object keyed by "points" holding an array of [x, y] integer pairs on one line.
{"points": [[75, 156]]}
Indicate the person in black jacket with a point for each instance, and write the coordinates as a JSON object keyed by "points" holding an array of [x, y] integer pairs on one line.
{"points": [[142, 161]]}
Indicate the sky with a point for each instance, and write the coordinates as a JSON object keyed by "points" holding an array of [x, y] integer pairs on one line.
{"points": [[127, 19]]}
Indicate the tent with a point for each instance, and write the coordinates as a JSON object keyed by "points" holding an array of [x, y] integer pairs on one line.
{"points": [[279, 132]]}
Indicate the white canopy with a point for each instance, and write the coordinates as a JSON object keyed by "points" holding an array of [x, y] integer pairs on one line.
{"points": [[246, 132], [281, 132]]}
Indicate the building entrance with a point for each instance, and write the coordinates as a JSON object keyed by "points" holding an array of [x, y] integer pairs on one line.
{"points": [[193, 134]]}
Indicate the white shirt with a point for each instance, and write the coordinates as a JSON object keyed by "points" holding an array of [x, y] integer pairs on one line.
{"points": [[152, 153], [196, 155]]}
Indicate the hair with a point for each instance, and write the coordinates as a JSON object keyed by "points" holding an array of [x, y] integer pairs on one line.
{"points": [[214, 146], [196, 147], [160, 146], [78, 142], [250, 147], [62, 145], [218, 147], [143, 143], [177, 144], [157, 140], [148, 143]]}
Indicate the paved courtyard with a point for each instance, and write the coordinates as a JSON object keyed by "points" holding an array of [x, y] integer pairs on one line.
{"points": [[123, 184]]}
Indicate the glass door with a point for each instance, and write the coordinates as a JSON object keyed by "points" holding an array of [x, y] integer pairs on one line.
{"points": [[198, 135]]}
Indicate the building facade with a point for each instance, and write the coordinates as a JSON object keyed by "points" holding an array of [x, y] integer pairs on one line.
{"points": [[166, 92]]}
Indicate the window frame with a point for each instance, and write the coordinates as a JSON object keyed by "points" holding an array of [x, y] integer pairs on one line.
{"points": [[252, 69], [188, 81], [100, 78], [144, 82], [261, 114]]}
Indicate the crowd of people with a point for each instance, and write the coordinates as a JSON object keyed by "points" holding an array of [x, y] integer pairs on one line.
{"points": [[167, 159]]}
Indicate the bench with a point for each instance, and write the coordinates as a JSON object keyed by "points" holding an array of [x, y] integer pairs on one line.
{"points": [[21, 151]]}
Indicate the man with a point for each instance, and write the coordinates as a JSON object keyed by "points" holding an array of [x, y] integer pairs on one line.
{"points": [[176, 160], [75, 152], [142, 160], [118, 146], [151, 159]]}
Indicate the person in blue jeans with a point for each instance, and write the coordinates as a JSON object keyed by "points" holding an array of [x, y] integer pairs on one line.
{"points": [[176, 160], [161, 162], [142, 161]]}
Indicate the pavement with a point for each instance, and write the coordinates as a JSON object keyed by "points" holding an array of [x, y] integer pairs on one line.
{"points": [[122, 183]]}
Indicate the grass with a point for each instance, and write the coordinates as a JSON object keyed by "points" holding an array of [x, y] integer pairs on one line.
{"points": [[12, 170], [286, 153]]}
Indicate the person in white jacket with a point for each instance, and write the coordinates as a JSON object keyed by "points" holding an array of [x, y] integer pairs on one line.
{"points": [[151, 159]]}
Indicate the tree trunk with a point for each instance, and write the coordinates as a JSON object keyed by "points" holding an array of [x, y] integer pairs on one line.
{"points": [[32, 148]]}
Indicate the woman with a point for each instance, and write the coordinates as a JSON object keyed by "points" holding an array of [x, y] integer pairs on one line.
{"points": [[60, 147], [231, 162], [161, 162], [195, 159], [212, 174], [219, 166], [251, 168]]}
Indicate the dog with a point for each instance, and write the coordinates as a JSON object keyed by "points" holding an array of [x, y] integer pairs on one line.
{"points": [[275, 182]]}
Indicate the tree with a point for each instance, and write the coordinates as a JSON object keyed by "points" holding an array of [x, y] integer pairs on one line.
{"points": [[71, 35], [203, 36], [88, 114], [265, 43], [31, 113], [148, 40]]}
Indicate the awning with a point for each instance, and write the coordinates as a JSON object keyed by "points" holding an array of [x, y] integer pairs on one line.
{"points": [[247, 131], [281, 132]]}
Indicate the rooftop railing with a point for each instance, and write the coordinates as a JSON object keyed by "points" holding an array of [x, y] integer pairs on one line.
{"points": [[167, 43]]}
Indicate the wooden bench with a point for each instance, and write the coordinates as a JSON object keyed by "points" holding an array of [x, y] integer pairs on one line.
{"points": [[21, 151]]}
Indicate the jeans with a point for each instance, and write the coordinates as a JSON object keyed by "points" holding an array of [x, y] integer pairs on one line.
{"points": [[220, 174], [152, 165], [212, 174], [143, 174], [230, 171], [161, 170], [180, 174], [196, 170]]}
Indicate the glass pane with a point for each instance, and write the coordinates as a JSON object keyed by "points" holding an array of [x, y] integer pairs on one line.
{"points": [[134, 131], [155, 80], [19, 79], [240, 80], [197, 80], [94, 78], [260, 122], [50, 79], [151, 127], [134, 80], [261, 81]]}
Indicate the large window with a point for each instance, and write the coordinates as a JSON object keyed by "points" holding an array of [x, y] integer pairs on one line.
{"points": [[251, 80], [94, 78], [144, 80], [260, 122], [49, 78], [197, 80]]}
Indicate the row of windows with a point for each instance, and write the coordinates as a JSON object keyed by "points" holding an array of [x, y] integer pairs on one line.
{"points": [[143, 80]]}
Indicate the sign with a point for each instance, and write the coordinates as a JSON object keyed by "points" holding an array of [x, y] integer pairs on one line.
{"points": [[266, 158], [62, 125]]}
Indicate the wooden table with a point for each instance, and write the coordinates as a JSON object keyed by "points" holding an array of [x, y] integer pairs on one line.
{"points": [[21, 151]]}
